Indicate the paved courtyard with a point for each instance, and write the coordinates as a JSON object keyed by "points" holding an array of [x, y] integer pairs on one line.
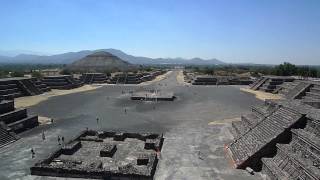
{"points": [[195, 126]]}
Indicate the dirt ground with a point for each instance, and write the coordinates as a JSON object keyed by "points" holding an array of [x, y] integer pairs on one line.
{"points": [[261, 95], [157, 79], [180, 78], [27, 101]]}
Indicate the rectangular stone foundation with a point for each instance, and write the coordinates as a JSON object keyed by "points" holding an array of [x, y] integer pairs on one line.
{"points": [[109, 158]]}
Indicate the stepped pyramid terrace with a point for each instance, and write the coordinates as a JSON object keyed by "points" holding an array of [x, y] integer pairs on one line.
{"points": [[61, 82], [91, 78], [11, 88]]}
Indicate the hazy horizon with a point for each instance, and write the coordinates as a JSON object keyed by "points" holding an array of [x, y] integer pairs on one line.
{"points": [[244, 31]]}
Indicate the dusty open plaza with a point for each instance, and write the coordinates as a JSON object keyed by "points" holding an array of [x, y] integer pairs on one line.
{"points": [[193, 143]]}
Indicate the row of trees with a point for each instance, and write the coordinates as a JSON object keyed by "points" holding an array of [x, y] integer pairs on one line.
{"points": [[287, 69], [284, 69]]}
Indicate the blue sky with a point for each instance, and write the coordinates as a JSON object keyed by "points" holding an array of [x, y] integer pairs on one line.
{"points": [[260, 31]]}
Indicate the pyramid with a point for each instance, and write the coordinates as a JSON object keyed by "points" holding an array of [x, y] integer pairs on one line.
{"points": [[100, 61]]}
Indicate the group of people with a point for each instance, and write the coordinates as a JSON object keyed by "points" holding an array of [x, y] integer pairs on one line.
{"points": [[60, 141]]}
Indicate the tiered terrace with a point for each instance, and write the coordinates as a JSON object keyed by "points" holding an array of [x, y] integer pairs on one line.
{"points": [[61, 82], [11, 88], [94, 78], [220, 80], [270, 84]]}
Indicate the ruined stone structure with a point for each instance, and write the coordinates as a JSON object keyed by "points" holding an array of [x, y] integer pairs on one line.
{"points": [[307, 91], [126, 78], [104, 155], [270, 84], [134, 78], [61, 82], [94, 78], [153, 96], [220, 80], [11, 88], [13, 121], [281, 139]]}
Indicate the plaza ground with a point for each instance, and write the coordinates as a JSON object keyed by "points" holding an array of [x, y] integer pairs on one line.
{"points": [[195, 126]]}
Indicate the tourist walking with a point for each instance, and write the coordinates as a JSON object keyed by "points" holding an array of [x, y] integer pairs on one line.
{"points": [[62, 140]]}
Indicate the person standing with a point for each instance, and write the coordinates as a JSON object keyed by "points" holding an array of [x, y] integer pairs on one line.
{"points": [[43, 136], [59, 140], [32, 153]]}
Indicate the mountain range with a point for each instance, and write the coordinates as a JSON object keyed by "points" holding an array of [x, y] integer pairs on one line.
{"points": [[70, 57]]}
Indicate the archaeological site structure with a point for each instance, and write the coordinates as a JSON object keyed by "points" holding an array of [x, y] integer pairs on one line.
{"points": [[104, 155]]}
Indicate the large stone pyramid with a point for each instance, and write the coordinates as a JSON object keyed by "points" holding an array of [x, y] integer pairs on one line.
{"points": [[100, 61]]}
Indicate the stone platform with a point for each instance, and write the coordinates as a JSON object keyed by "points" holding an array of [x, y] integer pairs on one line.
{"points": [[152, 96], [11, 88], [104, 155], [13, 121], [61, 82]]}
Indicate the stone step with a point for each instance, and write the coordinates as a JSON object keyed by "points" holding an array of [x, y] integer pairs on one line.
{"points": [[12, 96], [295, 163], [270, 168], [240, 127], [13, 116], [313, 95], [6, 106], [250, 119], [8, 86], [298, 90], [6, 138], [259, 82], [315, 90], [23, 124]]}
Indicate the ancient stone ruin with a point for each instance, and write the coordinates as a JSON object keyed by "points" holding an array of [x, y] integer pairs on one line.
{"points": [[270, 84], [220, 80], [134, 78], [281, 139], [61, 82], [104, 155], [11, 88], [94, 78], [13, 121], [153, 96]]}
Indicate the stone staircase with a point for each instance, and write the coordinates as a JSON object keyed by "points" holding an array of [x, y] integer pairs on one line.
{"points": [[94, 78], [271, 84], [287, 86], [11, 88], [258, 83], [248, 121], [298, 90], [61, 82], [251, 146], [6, 137]]}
